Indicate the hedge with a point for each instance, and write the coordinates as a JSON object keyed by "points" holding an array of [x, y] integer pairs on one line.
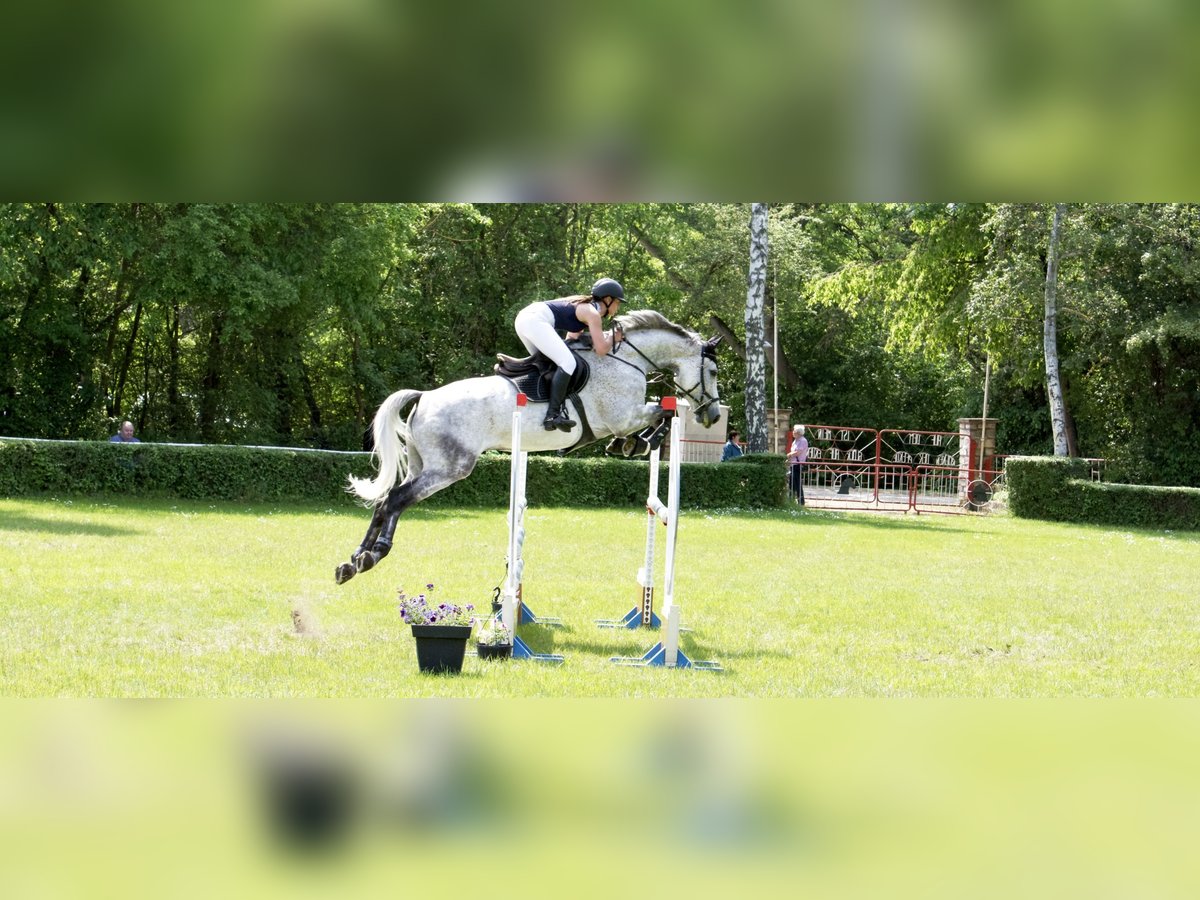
{"points": [[204, 472], [1060, 489]]}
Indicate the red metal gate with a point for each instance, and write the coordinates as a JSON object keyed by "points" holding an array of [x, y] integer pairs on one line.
{"points": [[894, 470]]}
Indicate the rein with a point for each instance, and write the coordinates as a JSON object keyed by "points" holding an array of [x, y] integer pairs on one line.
{"points": [[706, 352]]}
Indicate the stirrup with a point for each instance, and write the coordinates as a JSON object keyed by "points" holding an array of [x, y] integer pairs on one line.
{"points": [[559, 420]]}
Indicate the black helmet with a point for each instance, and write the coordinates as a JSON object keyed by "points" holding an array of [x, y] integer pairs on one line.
{"points": [[608, 287]]}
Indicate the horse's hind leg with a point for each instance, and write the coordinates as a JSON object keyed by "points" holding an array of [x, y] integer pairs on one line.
{"points": [[348, 570], [378, 542], [359, 560]]}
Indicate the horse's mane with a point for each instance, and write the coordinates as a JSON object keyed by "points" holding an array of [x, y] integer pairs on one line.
{"points": [[649, 318]]}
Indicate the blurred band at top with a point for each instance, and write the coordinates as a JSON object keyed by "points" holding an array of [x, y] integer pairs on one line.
{"points": [[770, 99]]}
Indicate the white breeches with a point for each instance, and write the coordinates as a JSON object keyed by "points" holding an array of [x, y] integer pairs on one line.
{"points": [[535, 328]]}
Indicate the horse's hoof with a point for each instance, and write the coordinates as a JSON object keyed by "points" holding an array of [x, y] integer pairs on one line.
{"points": [[365, 561], [344, 573]]}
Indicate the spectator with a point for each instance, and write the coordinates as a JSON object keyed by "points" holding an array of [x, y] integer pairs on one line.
{"points": [[125, 435], [731, 450], [797, 457]]}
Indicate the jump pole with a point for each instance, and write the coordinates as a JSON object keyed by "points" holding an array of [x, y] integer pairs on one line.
{"points": [[513, 611], [666, 652]]}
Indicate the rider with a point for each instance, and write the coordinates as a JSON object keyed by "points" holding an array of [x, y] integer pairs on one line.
{"points": [[538, 326]]}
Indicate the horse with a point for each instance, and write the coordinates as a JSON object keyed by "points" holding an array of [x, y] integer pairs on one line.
{"points": [[450, 427]]}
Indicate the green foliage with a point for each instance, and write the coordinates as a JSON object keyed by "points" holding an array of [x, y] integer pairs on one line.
{"points": [[257, 474], [186, 472], [775, 461], [1038, 486], [1059, 489], [1129, 291], [287, 324], [1137, 506]]}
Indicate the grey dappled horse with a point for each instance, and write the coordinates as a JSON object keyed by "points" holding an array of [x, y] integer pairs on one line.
{"points": [[450, 427]]}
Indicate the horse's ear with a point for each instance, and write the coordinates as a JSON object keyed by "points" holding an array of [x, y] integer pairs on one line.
{"points": [[710, 347]]}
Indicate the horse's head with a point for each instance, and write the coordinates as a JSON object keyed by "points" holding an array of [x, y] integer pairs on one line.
{"points": [[707, 399], [691, 360]]}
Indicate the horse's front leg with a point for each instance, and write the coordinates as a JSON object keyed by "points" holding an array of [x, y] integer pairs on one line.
{"points": [[643, 432]]}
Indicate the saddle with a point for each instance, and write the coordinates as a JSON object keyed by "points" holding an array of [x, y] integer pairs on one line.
{"points": [[532, 375]]}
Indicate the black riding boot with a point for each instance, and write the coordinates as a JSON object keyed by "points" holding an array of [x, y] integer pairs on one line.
{"points": [[556, 417]]}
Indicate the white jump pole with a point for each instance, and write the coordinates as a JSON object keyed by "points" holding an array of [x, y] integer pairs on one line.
{"points": [[643, 615], [669, 516]]}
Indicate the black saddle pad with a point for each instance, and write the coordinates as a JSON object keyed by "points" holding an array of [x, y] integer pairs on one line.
{"points": [[532, 374]]}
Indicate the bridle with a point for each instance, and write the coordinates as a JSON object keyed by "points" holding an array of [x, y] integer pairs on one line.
{"points": [[708, 350]]}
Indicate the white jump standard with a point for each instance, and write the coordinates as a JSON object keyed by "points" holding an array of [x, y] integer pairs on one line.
{"points": [[643, 615], [666, 652]]}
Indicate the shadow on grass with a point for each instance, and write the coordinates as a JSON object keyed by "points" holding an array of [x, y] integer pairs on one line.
{"points": [[1182, 535], [857, 518], [341, 509], [39, 524], [610, 642]]}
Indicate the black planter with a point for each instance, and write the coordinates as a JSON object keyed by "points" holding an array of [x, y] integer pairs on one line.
{"points": [[440, 648], [494, 651]]}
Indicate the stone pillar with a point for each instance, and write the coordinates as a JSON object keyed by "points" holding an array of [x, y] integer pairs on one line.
{"points": [[970, 433], [697, 443], [779, 430]]}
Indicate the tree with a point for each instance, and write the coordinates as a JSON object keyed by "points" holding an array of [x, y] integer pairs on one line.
{"points": [[756, 371], [1054, 391]]}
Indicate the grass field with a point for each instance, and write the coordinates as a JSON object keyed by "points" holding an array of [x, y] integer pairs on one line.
{"points": [[133, 598]]}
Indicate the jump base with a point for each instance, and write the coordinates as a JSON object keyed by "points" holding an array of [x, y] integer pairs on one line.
{"points": [[657, 656]]}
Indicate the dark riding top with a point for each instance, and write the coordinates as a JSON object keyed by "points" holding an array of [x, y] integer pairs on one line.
{"points": [[564, 316]]}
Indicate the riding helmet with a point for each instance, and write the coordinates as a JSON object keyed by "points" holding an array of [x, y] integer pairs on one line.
{"points": [[608, 287]]}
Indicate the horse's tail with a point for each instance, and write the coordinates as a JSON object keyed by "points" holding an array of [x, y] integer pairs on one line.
{"points": [[391, 449]]}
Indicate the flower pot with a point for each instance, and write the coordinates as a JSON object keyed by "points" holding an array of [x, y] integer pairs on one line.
{"points": [[440, 648], [494, 651]]}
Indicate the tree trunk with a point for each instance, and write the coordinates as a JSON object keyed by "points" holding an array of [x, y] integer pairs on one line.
{"points": [[357, 386], [123, 375], [310, 398], [756, 368], [728, 336], [1054, 391], [120, 293], [174, 413], [210, 385]]}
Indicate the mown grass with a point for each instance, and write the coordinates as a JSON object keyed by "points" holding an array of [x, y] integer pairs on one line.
{"points": [[135, 598]]}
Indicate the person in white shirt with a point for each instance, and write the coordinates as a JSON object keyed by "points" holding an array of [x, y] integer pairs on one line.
{"points": [[797, 457]]}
